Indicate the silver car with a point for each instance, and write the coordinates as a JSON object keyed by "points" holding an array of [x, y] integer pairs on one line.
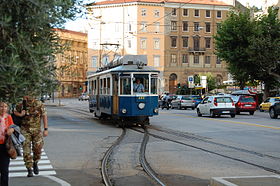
{"points": [[183, 101]]}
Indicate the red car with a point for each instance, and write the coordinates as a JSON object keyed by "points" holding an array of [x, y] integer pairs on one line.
{"points": [[245, 103]]}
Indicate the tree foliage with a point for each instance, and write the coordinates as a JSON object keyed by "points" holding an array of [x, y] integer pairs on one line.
{"points": [[251, 47], [232, 42], [29, 43]]}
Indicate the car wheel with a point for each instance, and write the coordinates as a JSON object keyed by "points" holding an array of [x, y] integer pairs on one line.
{"points": [[251, 112], [193, 108], [198, 113], [272, 113], [232, 115], [212, 115]]}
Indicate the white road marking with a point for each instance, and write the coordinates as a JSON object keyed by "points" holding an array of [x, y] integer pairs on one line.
{"points": [[58, 180]]}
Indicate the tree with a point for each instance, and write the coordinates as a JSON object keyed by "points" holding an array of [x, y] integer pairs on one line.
{"points": [[232, 42], [264, 50], [29, 44]]}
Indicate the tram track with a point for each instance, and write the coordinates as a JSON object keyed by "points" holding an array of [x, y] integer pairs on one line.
{"points": [[166, 138], [185, 138]]}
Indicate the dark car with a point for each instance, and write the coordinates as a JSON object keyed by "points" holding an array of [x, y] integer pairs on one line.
{"points": [[244, 103], [196, 98], [274, 110]]}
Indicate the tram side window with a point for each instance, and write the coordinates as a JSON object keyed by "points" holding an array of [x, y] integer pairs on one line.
{"points": [[94, 87], [108, 86], [141, 83], [154, 85], [104, 86], [125, 86], [101, 86]]}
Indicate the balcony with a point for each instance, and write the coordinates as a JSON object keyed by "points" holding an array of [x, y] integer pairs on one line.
{"points": [[196, 50]]}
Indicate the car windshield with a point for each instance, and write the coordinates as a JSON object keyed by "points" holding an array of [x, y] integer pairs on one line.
{"points": [[224, 100], [247, 99], [185, 98]]}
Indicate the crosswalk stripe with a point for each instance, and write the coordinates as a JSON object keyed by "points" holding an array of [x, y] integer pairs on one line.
{"points": [[23, 174], [18, 169], [22, 162]]}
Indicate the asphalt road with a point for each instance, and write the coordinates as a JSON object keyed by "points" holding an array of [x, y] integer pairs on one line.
{"points": [[77, 142]]}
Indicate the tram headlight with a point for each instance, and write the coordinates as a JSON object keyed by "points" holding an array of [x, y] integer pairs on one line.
{"points": [[141, 106], [156, 110], [124, 111]]}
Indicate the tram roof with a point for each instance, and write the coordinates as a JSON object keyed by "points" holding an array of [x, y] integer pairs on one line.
{"points": [[126, 68]]}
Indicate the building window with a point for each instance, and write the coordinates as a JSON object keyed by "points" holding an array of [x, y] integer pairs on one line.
{"points": [[143, 26], [173, 25], [196, 59], [129, 43], [196, 43], [219, 14], [156, 13], [218, 61], [173, 41], [196, 13], [208, 27], [143, 12], [156, 61], [196, 26], [94, 61], [129, 27], [207, 59], [185, 42], [207, 42], [185, 26], [156, 43], [174, 12], [143, 43], [208, 13], [185, 12], [173, 58], [157, 24], [184, 58]]}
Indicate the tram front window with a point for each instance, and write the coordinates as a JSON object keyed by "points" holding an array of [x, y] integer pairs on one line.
{"points": [[141, 84], [125, 86]]}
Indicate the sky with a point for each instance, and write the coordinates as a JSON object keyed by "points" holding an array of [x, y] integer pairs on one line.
{"points": [[81, 24]]}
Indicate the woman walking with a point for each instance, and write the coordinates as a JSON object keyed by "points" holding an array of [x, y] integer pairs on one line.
{"points": [[5, 122]]}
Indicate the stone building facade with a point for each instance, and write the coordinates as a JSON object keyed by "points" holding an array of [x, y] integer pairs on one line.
{"points": [[72, 65]]}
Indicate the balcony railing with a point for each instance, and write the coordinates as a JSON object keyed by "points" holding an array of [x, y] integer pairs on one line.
{"points": [[196, 49]]}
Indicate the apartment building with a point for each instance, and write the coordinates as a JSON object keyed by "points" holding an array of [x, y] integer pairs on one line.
{"points": [[177, 36], [72, 64]]}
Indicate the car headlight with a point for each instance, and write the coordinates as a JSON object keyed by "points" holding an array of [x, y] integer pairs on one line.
{"points": [[141, 106], [124, 111], [155, 110]]}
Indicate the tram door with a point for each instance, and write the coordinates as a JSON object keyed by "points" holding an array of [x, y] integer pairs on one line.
{"points": [[115, 94]]}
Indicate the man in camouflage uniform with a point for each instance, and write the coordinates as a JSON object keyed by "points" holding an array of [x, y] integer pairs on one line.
{"points": [[31, 129]]}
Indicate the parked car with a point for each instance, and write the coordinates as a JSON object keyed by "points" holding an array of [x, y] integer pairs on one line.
{"points": [[216, 106], [182, 101], [264, 106], [83, 96], [196, 98], [244, 103], [45, 97], [274, 110]]}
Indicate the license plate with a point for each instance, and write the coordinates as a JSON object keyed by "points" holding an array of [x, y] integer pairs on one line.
{"points": [[226, 112], [248, 105]]}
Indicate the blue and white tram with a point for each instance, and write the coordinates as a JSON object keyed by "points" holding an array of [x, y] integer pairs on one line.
{"points": [[115, 94]]}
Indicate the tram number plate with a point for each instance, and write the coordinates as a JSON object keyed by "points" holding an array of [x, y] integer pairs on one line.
{"points": [[141, 98]]}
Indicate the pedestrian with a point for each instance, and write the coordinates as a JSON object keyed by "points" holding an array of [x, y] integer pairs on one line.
{"points": [[5, 122], [31, 130]]}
